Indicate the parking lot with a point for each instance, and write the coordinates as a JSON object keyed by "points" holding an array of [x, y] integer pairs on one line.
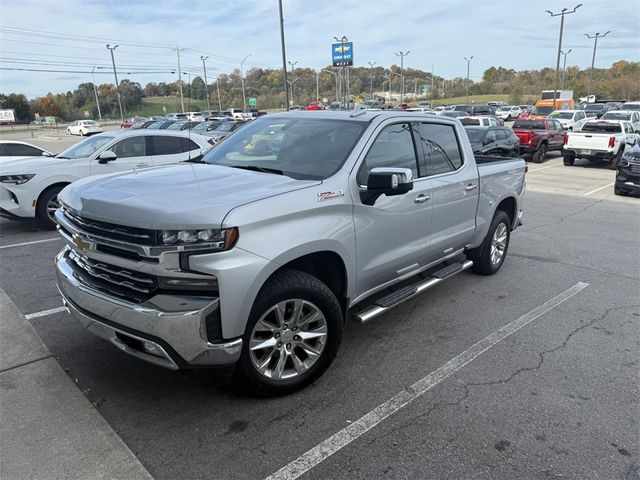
{"points": [[411, 394]]}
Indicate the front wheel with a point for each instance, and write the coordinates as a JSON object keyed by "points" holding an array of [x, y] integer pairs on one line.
{"points": [[47, 205], [292, 336], [69, 131], [489, 257]]}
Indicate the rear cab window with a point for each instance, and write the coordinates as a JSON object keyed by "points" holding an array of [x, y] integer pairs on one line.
{"points": [[602, 127], [439, 147]]}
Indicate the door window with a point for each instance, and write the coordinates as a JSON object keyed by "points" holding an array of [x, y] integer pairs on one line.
{"points": [[393, 148], [490, 137], [188, 145], [130, 147], [19, 150], [439, 145], [166, 145], [502, 134]]}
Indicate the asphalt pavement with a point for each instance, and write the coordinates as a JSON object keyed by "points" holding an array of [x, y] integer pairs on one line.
{"points": [[556, 398]]}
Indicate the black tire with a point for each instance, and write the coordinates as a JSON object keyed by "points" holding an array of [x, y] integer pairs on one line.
{"points": [[282, 286], [481, 256], [540, 154], [618, 191], [613, 165], [569, 160], [42, 214], [508, 118]]}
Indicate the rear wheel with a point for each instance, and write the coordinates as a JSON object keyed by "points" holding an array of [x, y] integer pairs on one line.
{"points": [[293, 334], [569, 160], [540, 154], [47, 205], [489, 257]]}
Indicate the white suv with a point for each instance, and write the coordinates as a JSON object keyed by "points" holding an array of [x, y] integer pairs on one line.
{"points": [[29, 188], [84, 127], [508, 112], [570, 119]]}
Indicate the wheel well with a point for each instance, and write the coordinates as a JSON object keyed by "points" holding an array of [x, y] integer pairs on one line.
{"points": [[508, 206], [327, 267], [59, 184]]}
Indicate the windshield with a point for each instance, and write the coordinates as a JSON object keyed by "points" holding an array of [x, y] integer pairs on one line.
{"points": [[595, 107], [177, 125], [529, 124], [541, 110], [616, 116], [631, 106], [475, 135], [206, 126], [297, 147], [562, 115], [602, 127], [86, 148], [226, 127]]}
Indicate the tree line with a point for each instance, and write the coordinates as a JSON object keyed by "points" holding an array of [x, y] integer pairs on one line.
{"points": [[620, 81]]}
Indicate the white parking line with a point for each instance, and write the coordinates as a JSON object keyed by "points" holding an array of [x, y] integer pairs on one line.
{"points": [[598, 189], [30, 243], [544, 168], [365, 423], [44, 313]]}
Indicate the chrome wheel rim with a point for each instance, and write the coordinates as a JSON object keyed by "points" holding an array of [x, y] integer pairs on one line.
{"points": [[52, 205], [499, 244], [288, 339]]}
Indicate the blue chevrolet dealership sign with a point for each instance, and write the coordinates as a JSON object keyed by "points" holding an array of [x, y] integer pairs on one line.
{"points": [[342, 54]]}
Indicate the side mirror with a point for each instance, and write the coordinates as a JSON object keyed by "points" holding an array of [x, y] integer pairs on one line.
{"points": [[47, 154], [106, 157], [386, 181]]}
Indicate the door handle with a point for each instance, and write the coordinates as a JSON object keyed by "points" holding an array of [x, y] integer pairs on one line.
{"points": [[470, 187], [142, 165], [422, 198]]}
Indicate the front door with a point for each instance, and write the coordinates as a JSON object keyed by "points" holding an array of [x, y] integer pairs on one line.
{"points": [[130, 153], [392, 234]]}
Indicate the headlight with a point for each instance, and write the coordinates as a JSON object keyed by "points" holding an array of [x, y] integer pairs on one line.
{"points": [[219, 239], [17, 179]]}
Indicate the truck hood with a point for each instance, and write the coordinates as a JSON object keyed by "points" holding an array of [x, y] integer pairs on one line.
{"points": [[186, 196]]}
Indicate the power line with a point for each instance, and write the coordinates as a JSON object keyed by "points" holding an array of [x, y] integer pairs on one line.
{"points": [[125, 72]]}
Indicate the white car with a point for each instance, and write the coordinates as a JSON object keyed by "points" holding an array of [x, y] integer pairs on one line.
{"points": [[570, 119], [29, 188], [195, 116], [508, 112], [631, 116], [480, 120], [15, 150], [84, 127]]}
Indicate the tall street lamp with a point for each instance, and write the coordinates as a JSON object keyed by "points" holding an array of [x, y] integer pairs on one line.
{"points": [[111, 49], [593, 59], [564, 67], [335, 74], [387, 80], [291, 84], [284, 57], [561, 14], [244, 97], [468, 67], [218, 89], [402, 54], [206, 85], [371, 64], [95, 91], [293, 73]]}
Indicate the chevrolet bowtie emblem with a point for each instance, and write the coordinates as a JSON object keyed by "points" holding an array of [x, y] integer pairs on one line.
{"points": [[80, 243]]}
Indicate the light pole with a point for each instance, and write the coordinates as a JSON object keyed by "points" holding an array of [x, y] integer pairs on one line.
{"points": [[336, 76], [564, 67], [291, 84], [293, 72], [244, 97], [111, 49], [95, 90], [343, 83], [402, 54], [468, 66], [218, 89], [284, 58], [562, 13], [206, 85], [593, 59], [387, 80], [371, 64]]}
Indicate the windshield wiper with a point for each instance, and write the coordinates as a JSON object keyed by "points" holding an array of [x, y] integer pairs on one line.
{"points": [[256, 168], [60, 156]]}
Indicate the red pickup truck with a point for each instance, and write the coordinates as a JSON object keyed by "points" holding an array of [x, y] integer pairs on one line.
{"points": [[539, 136]]}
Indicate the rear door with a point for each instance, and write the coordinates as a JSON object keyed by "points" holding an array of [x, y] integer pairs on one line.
{"points": [[166, 149], [391, 234], [556, 135], [131, 153], [454, 189]]}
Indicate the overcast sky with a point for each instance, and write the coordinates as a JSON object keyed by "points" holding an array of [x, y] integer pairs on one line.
{"points": [[515, 34]]}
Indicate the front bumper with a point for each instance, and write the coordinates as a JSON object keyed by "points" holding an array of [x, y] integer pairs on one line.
{"points": [[628, 180], [15, 204], [166, 330]]}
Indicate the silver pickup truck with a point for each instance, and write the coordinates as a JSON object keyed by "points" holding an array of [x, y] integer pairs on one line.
{"points": [[255, 257]]}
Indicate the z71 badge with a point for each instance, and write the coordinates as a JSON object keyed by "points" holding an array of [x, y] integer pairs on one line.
{"points": [[322, 196]]}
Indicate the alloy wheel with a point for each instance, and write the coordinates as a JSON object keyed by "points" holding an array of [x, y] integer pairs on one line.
{"points": [[499, 244]]}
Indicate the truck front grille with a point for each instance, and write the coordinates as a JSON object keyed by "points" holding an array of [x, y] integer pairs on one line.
{"points": [[124, 283], [134, 235]]}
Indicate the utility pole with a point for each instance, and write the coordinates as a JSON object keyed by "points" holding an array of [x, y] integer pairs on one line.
{"points": [[244, 97], [284, 58], [371, 64], [562, 13], [95, 90], [180, 78], [564, 67], [293, 73], [111, 49], [218, 89], [468, 66], [206, 85], [402, 54], [593, 59]]}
